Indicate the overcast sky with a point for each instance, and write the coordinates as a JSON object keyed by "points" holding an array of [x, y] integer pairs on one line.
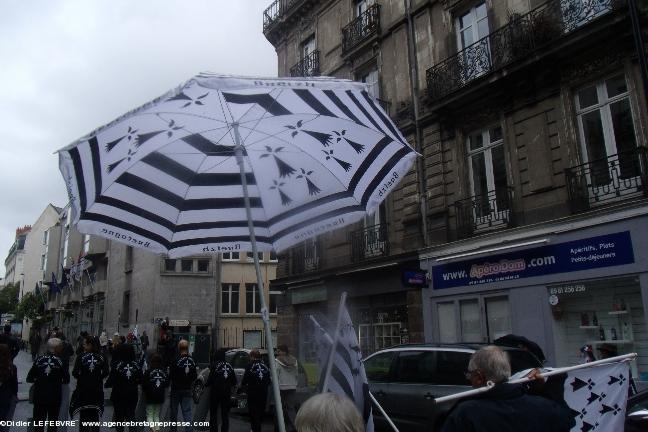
{"points": [[67, 67]]}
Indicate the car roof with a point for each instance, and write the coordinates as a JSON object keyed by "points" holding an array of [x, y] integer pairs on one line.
{"points": [[458, 347]]}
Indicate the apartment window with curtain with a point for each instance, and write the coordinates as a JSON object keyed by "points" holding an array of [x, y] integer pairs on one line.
{"points": [[230, 298], [487, 166], [252, 302], [471, 27]]}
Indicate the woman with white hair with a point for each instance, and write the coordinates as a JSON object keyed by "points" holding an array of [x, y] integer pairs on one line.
{"points": [[329, 412]]}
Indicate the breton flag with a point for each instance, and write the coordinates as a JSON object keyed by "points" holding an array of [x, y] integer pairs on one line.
{"points": [[348, 375], [597, 396], [54, 286]]}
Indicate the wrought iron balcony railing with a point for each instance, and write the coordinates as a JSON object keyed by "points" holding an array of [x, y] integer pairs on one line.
{"points": [[365, 25], [523, 35], [617, 177], [306, 256], [309, 66], [272, 13], [370, 242], [484, 212]]}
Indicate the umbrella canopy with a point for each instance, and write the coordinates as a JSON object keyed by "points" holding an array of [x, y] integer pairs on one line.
{"points": [[318, 154]]}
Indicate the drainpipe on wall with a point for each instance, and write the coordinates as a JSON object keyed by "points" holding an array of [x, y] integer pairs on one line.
{"points": [[418, 136]]}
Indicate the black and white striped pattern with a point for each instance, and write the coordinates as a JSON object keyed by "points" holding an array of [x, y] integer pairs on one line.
{"points": [[318, 155], [348, 377]]}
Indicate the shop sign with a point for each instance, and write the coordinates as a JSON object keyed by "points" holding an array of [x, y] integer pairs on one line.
{"points": [[179, 323], [585, 254], [311, 294], [414, 278], [567, 289]]}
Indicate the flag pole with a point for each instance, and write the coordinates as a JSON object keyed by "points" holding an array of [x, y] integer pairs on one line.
{"points": [[265, 316], [336, 337], [490, 385]]}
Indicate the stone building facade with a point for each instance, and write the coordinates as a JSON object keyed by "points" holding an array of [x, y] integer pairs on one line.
{"points": [[530, 117]]}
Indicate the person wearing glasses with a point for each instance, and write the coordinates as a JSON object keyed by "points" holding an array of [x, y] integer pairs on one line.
{"points": [[506, 407]]}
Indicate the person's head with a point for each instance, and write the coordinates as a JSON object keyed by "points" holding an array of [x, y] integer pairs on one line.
{"points": [[219, 355], [255, 355], [587, 353], [55, 346], [488, 364], [183, 346], [607, 350], [89, 344], [326, 412], [155, 361], [7, 328], [282, 350], [125, 352], [144, 333]]}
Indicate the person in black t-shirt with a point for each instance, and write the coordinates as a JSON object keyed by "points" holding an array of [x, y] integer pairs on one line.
{"points": [[257, 379], [183, 374], [48, 375], [125, 376], [90, 369], [221, 380], [154, 384], [8, 385]]}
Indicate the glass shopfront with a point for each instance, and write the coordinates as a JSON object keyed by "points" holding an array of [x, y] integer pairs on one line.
{"points": [[606, 314]]}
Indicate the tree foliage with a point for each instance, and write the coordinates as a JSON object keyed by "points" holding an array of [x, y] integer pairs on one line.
{"points": [[30, 306], [9, 298]]}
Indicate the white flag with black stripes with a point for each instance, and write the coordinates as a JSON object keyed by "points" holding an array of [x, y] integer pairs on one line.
{"points": [[597, 397], [348, 377]]}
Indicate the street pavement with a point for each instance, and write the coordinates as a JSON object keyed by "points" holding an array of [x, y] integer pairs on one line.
{"points": [[238, 422]]}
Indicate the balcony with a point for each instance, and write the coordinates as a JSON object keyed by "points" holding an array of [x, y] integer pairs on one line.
{"points": [[523, 35], [618, 177], [370, 242], [308, 67], [361, 28], [276, 10], [485, 212], [306, 257]]}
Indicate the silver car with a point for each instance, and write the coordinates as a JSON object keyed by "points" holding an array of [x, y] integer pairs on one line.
{"points": [[406, 379]]}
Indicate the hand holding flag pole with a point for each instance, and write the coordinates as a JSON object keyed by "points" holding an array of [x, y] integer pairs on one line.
{"points": [[621, 358]]}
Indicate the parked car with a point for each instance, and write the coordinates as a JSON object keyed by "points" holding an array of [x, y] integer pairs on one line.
{"points": [[406, 379], [637, 412]]}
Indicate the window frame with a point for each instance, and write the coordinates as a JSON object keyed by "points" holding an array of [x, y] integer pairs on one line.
{"points": [[228, 289], [230, 257], [256, 308]]}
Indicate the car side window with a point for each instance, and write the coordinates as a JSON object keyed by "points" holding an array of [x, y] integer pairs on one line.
{"points": [[451, 367], [521, 360], [378, 366], [415, 367]]}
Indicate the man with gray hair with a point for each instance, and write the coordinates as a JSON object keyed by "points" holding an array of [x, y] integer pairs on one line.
{"points": [[506, 407], [48, 375]]}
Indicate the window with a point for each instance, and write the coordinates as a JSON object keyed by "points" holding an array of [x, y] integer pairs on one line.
{"points": [[362, 6], [378, 366], [306, 50], [66, 241], [451, 366], [274, 297], [203, 265], [230, 256], [125, 313], [43, 261], [447, 327], [230, 298], [607, 131], [250, 256], [252, 339], [252, 304], [273, 256], [128, 262], [415, 367], [45, 237], [487, 167], [241, 359], [186, 265], [169, 265], [86, 243], [471, 27], [373, 83], [477, 319]]}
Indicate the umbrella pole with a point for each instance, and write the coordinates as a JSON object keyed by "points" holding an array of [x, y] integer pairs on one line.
{"points": [[265, 315]]}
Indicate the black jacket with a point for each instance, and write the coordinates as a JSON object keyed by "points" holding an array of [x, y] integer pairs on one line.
{"points": [[8, 339], [48, 374], [124, 378], [257, 380], [90, 369], [221, 380], [507, 408], [9, 388], [183, 373], [154, 383]]}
